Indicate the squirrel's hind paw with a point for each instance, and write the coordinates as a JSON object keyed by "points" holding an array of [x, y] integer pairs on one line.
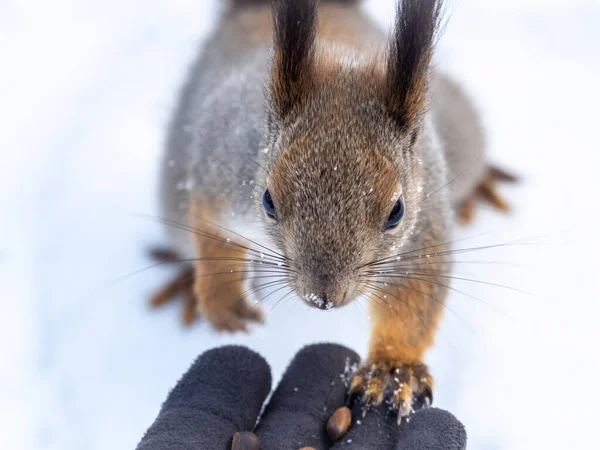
{"points": [[181, 285], [404, 387], [487, 190]]}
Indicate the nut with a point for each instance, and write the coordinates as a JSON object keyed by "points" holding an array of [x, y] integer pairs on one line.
{"points": [[245, 440], [308, 448], [338, 423]]}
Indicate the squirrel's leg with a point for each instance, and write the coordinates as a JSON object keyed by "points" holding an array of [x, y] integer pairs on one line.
{"points": [[487, 190], [405, 316], [220, 270], [213, 285]]}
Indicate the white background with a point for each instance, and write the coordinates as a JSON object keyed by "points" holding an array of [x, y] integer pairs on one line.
{"points": [[86, 90]]}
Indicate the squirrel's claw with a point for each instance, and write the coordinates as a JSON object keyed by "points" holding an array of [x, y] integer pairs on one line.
{"points": [[408, 387]]}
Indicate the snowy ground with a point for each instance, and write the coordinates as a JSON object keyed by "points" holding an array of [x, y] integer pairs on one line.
{"points": [[86, 89]]}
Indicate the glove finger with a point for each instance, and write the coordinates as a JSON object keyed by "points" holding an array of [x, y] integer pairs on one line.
{"points": [[434, 429], [222, 393], [312, 388], [377, 430], [431, 429]]}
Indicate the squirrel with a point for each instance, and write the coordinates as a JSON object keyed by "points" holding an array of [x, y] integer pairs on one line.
{"points": [[304, 124]]}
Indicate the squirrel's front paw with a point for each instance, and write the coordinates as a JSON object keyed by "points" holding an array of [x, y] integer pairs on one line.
{"points": [[222, 303], [233, 317], [405, 387], [219, 298]]}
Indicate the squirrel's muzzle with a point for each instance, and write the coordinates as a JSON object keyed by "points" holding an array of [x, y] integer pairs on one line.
{"points": [[326, 292], [326, 272]]}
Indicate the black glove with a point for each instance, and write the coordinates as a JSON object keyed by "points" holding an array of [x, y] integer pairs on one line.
{"points": [[224, 390]]}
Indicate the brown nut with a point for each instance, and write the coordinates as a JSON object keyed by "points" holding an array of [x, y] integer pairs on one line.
{"points": [[338, 423], [308, 448], [245, 440]]}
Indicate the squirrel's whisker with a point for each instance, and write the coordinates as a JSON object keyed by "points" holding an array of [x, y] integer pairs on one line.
{"points": [[276, 255], [450, 261], [277, 302], [389, 294], [435, 327], [259, 165], [444, 304], [242, 261], [255, 289], [422, 249], [458, 176], [458, 291], [380, 302], [401, 258], [255, 185], [272, 254], [433, 273], [252, 272], [259, 266]]}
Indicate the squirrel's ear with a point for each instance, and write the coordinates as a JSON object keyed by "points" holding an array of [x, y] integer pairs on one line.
{"points": [[409, 58], [295, 24]]}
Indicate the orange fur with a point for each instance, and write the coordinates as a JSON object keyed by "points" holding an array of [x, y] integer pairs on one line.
{"points": [[405, 323], [218, 285], [406, 319]]}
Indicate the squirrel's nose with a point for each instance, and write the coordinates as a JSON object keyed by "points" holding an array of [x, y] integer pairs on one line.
{"points": [[321, 301], [326, 302]]}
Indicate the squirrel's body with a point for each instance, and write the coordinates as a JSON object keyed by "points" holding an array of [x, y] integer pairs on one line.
{"points": [[336, 132]]}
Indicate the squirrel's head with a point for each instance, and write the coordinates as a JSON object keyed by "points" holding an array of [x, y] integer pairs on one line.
{"points": [[343, 142]]}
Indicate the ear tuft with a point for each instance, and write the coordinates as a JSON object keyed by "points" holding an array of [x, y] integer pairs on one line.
{"points": [[411, 50], [295, 25]]}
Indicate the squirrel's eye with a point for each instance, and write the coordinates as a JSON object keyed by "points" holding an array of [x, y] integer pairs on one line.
{"points": [[396, 214], [268, 204]]}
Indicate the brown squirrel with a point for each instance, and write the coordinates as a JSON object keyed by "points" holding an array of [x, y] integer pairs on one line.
{"points": [[347, 153]]}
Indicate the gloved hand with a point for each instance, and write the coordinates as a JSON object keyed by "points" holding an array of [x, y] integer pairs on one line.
{"points": [[224, 391]]}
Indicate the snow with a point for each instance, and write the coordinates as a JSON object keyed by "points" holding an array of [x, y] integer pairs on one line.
{"points": [[87, 89]]}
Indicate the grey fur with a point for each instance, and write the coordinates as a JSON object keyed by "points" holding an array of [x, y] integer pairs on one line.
{"points": [[215, 134], [218, 135], [461, 135]]}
